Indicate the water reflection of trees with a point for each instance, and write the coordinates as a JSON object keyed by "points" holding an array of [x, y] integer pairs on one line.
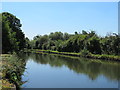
{"points": [[92, 68]]}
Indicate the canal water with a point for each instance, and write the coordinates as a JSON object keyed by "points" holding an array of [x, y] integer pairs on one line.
{"points": [[55, 71]]}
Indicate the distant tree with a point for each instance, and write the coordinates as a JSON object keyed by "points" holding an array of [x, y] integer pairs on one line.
{"points": [[111, 44], [93, 45], [27, 42], [56, 36], [84, 32], [92, 33], [76, 33], [40, 41], [66, 36]]}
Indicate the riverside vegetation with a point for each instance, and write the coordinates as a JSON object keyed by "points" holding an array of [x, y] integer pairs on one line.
{"points": [[13, 40], [85, 44], [12, 69]]}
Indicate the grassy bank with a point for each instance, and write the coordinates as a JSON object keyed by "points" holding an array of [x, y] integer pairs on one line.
{"points": [[5, 83], [12, 68], [81, 54]]}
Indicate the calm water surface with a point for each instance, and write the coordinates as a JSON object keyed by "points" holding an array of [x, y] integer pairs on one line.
{"points": [[53, 71]]}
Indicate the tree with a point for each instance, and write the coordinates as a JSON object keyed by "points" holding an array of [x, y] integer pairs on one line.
{"points": [[76, 33], [56, 36], [27, 42], [12, 36], [66, 36], [40, 41], [93, 45], [84, 32], [111, 44]]}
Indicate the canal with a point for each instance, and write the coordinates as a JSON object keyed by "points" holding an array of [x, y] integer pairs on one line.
{"points": [[54, 71]]}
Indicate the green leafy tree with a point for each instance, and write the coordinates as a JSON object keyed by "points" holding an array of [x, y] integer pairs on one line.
{"points": [[56, 36], [13, 38], [93, 45]]}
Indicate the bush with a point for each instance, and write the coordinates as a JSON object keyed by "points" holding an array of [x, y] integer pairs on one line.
{"points": [[85, 52]]}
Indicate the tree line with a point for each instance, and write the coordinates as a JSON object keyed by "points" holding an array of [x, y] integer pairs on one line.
{"points": [[13, 39], [78, 42]]}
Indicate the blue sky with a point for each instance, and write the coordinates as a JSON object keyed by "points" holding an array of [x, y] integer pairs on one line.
{"points": [[45, 17]]}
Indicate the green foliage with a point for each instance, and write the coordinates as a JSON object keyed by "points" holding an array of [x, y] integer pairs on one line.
{"points": [[66, 36], [49, 42], [88, 42], [56, 36], [91, 42], [13, 38], [111, 44], [93, 45], [40, 41], [85, 53], [13, 69]]}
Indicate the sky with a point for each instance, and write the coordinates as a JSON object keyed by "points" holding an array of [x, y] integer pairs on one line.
{"points": [[60, 0], [39, 18]]}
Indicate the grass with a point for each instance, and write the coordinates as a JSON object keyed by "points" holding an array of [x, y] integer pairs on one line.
{"points": [[107, 57], [12, 69], [4, 63], [85, 54]]}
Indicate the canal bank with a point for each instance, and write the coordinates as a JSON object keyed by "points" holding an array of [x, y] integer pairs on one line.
{"points": [[12, 68], [84, 54]]}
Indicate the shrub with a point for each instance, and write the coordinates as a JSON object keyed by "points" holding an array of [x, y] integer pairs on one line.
{"points": [[85, 52]]}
